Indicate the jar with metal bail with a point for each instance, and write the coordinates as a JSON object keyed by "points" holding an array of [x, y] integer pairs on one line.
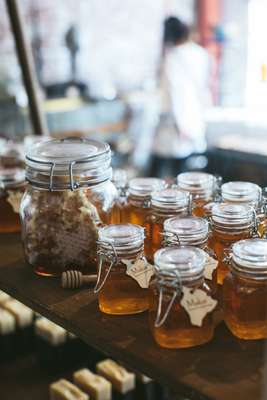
{"points": [[70, 196], [123, 272], [181, 303], [245, 290]]}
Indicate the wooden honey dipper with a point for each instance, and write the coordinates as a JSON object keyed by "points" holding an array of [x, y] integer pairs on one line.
{"points": [[75, 279]]}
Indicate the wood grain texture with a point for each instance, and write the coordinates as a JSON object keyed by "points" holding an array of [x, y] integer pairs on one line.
{"points": [[224, 369]]}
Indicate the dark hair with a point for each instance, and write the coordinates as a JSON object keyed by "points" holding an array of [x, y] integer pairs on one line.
{"points": [[175, 31]]}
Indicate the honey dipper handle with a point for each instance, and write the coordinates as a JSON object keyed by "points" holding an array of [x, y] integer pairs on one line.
{"points": [[89, 279]]}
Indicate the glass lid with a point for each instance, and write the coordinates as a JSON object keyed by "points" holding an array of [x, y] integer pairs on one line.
{"points": [[250, 257], [170, 198], [187, 227], [121, 234], [232, 213], [195, 181], [145, 186], [240, 191]]}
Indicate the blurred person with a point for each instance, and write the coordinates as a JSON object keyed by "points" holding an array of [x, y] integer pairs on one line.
{"points": [[184, 95]]}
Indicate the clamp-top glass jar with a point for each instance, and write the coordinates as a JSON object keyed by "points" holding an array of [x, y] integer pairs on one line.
{"points": [[12, 187], [245, 290], [201, 186], [138, 207], [192, 231], [229, 224], [180, 307], [123, 272], [165, 204], [240, 192], [69, 197]]}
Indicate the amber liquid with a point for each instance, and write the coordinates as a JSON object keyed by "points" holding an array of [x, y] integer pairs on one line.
{"points": [[245, 307], [201, 208], [177, 331], [221, 244], [121, 294], [9, 219], [139, 215]]}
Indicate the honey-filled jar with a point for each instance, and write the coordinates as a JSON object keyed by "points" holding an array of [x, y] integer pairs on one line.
{"points": [[138, 207], [192, 231], [202, 187], [245, 290], [12, 187], [165, 204], [123, 272], [180, 300], [229, 224], [69, 197]]}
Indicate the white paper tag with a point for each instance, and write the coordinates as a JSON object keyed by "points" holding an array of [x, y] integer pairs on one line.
{"points": [[14, 198], [140, 270], [197, 304], [210, 265]]}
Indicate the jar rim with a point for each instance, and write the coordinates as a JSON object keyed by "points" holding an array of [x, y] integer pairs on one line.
{"points": [[187, 261], [197, 183], [241, 191], [233, 215], [121, 236], [187, 229], [170, 198], [143, 187]]}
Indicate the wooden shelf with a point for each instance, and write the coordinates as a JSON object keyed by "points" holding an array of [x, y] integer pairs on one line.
{"points": [[226, 368]]}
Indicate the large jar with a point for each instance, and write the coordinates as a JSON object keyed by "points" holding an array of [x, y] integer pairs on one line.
{"points": [[165, 204], [12, 187], [181, 303], [137, 209], [245, 290], [203, 188], [69, 197], [229, 224], [123, 272]]}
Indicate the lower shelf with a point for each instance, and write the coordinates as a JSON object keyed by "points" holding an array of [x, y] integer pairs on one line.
{"points": [[226, 368]]}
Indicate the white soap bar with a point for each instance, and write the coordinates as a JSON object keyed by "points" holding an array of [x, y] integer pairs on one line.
{"points": [[50, 332], [65, 390], [122, 380], [23, 314], [96, 386], [7, 322]]}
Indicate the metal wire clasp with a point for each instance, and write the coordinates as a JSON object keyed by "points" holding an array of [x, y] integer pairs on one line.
{"points": [[170, 235], [173, 280], [111, 255]]}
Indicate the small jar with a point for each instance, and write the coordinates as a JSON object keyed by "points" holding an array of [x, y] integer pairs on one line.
{"points": [[192, 231], [201, 186], [70, 196], [123, 272], [180, 305], [138, 207], [165, 204], [12, 155], [245, 290], [229, 224], [12, 187]]}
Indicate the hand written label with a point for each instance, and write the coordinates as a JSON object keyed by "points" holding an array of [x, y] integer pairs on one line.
{"points": [[197, 304], [140, 270], [210, 265]]}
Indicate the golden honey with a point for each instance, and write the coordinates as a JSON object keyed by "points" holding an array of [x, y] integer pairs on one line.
{"points": [[165, 204], [201, 186], [12, 187], [120, 250], [171, 323], [229, 223], [245, 290]]}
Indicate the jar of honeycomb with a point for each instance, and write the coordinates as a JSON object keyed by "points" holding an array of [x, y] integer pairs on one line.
{"points": [[245, 290], [165, 204], [70, 196], [192, 231], [202, 187], [229, 224], [138, 207], [123, 272], [12, 187], [180, 300]]}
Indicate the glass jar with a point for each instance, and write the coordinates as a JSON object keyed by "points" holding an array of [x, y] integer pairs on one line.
{"points": [[120, 180], [69, 197], [165, 204], [192, 231], [245, 290], [138, 207], [123, 272], [12, 187], [229, 224], [11, 155], [201, 186], [180, 302]]}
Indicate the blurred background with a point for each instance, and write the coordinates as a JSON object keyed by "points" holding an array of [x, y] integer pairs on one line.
{"points": [[172, 85]]}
